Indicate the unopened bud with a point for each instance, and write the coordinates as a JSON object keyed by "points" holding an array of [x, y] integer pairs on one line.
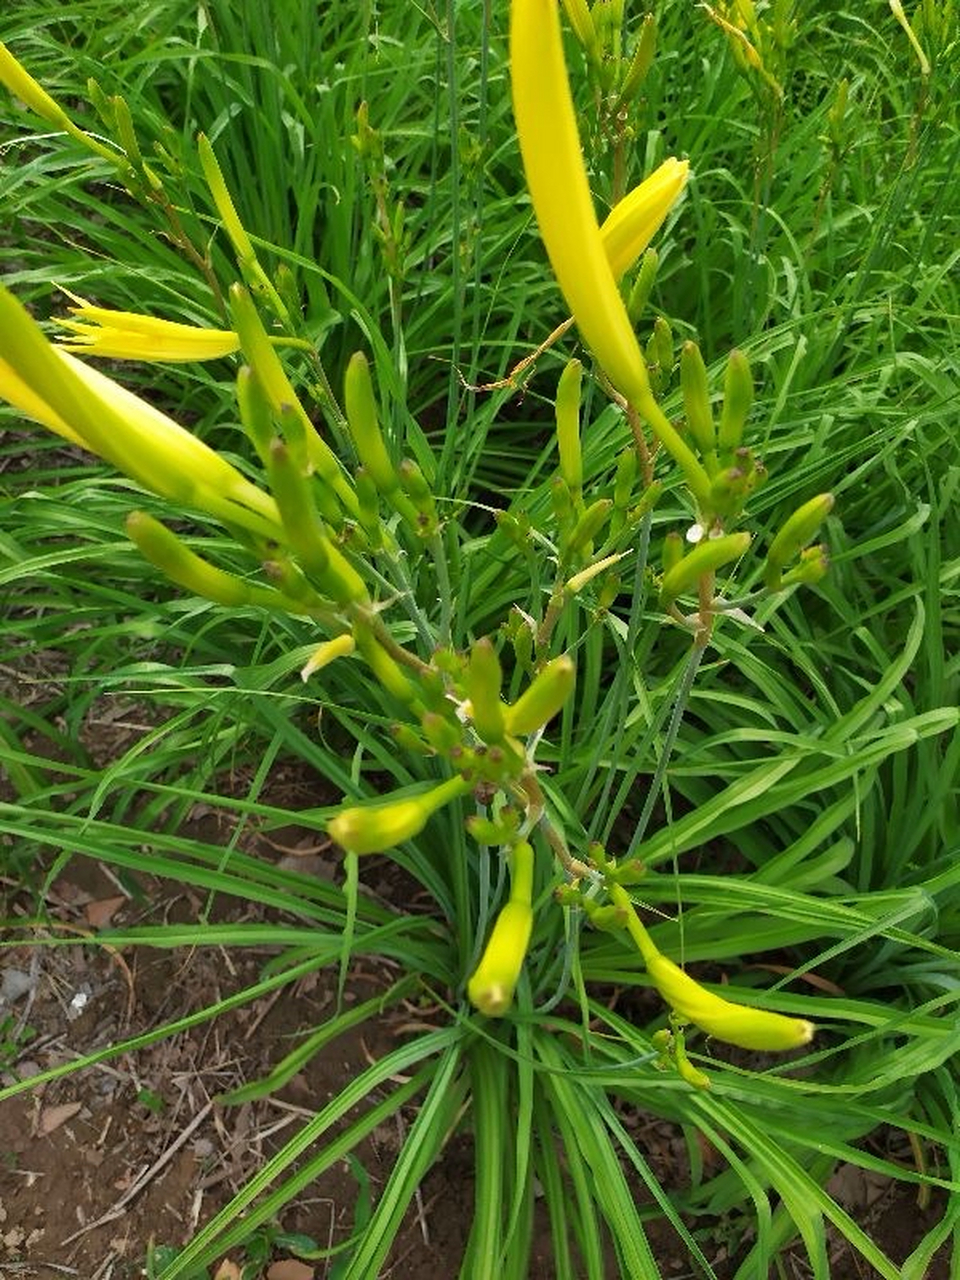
{"points": [[568, 426], [696, 401], [361, 409], [543, 697], [482, 680], [375, 827], [706, 557], [737, 399], [796, 532]]}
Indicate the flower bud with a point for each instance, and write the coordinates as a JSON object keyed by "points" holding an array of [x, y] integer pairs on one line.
{"points": [[707, 557], [329, 651], [165, 550], [796, 532], [696, 402], [543, 697], [482, 680], [589, 525], [642, 59], [365, 431], [375, 827], [663, 344], [737, 399], [568, 426], [492, 985], [733, 1023], [643, 285]]}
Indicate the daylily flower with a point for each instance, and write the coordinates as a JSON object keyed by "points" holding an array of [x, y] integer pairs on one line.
{"points": [[89, 409], [127, 335], [633, 221], [23, 86], [559, 188]]}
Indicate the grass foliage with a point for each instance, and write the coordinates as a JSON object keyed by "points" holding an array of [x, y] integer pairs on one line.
{"points": [[809, 808]]}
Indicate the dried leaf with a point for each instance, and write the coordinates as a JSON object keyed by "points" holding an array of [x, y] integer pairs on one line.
{"points": [[102, 912], [227, 1270], [53, 1117], [290, 1269]]}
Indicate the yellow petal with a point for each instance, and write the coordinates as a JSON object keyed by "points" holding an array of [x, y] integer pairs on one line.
{"points": [[23, 86], [633, 222], [15, 391], [62, 392], [126, 335], [557, 178]]}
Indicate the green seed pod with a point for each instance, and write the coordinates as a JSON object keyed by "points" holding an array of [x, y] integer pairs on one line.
{"points": [[482, 680], [733, 1023], [674, 550], [643, 285], [362, 419], [814, 565], [589, 525], [568, 426], [707, 557], [663, 344], [626, 478], [696, 402], [543, 697], [255, 413], [443, 734], [171, 556], [737, 399], [642, 60], [795, 533], [373, 828]]}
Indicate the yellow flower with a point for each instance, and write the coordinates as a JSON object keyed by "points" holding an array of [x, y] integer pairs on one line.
{"points": [[23, 86], [92, 410], [557, 179], [125, 335], [633, 221]]}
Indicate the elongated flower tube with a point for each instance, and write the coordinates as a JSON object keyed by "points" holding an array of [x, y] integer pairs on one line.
{"points": [[89, 409], [374, 827], [733, 1023], [23, 86], [126, 335], [557, 178], [494, 981]]}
